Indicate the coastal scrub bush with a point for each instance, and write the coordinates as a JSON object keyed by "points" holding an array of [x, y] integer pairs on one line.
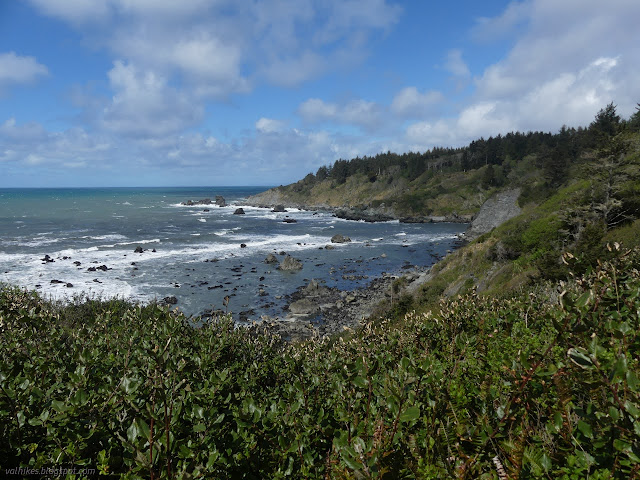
{"points": [[513, 387]]}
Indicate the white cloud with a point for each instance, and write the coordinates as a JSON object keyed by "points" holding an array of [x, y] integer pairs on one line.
{"points": [[569, 60], [221, 47], [563, 37], [409, 102], [32, 145], [455, 64], [567, 99], [269, 125], [30, 132], [316, 110], [347, 16], [167, 8], [17, 70], [75, 11], [513, 17], [355, 112], [145, 105]]}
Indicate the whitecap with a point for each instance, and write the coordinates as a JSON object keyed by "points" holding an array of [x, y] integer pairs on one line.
{"points": [[153, 240]]}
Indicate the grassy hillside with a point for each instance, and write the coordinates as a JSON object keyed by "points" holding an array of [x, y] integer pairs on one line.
{"points": [[598, 204]]}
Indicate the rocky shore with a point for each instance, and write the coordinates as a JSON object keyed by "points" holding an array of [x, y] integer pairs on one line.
{"points": [[273, 199], [315, 310]]}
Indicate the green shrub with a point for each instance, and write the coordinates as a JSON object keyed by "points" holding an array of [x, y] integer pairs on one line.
{"points": [[541, 389]]}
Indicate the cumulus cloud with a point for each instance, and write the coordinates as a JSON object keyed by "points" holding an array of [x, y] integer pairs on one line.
{"points": [[75, 11], [17, 70], [567, 99], [569, 60], [456, 65], [31, 144], [355, 112], [563, 37], [145, 105], [514, 16], [12, 132], [218, 46], [409, 102], [269, 125]]}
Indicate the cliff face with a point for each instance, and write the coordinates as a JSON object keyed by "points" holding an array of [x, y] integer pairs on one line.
{"points": [[494, 212], [269, 198]]}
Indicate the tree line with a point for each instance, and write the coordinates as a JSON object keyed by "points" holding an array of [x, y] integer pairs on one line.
{"points": [[553, 153]]}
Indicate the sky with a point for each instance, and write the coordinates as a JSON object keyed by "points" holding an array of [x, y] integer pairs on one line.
{"points": [[262, 92]]}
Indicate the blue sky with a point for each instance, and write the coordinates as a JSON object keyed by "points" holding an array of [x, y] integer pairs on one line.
{"points": [[218, 92]]}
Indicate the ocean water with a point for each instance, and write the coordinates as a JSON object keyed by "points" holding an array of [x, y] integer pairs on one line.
{"points": [[198, 256]]}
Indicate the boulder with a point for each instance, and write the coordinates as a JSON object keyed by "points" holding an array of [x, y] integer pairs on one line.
{"points": [[271, 258], [243, 245], [289, 220], [314, 289], [138, 249], [338, 238], [329, 247], [47, 259], [220, 201], [290, 264], [304, 307], [278, 209], [239, 211], [170, 300]]}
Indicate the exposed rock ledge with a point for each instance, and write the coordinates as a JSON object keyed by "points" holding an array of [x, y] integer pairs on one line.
{"points": [[494, 212]]}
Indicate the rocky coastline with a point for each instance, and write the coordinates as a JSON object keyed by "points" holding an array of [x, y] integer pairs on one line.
{"points": [[316, 310], [272, 199]]}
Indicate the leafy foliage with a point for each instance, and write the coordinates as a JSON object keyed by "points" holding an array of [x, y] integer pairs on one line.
{"points": [[542, 389]]}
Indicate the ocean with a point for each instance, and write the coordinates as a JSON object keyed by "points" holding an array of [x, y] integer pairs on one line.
{"points": [[195, 255]]}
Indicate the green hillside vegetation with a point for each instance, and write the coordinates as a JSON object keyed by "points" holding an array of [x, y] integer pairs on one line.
{"points": [[521, 384], [456, 182], [518, 359], [598, 203]]}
